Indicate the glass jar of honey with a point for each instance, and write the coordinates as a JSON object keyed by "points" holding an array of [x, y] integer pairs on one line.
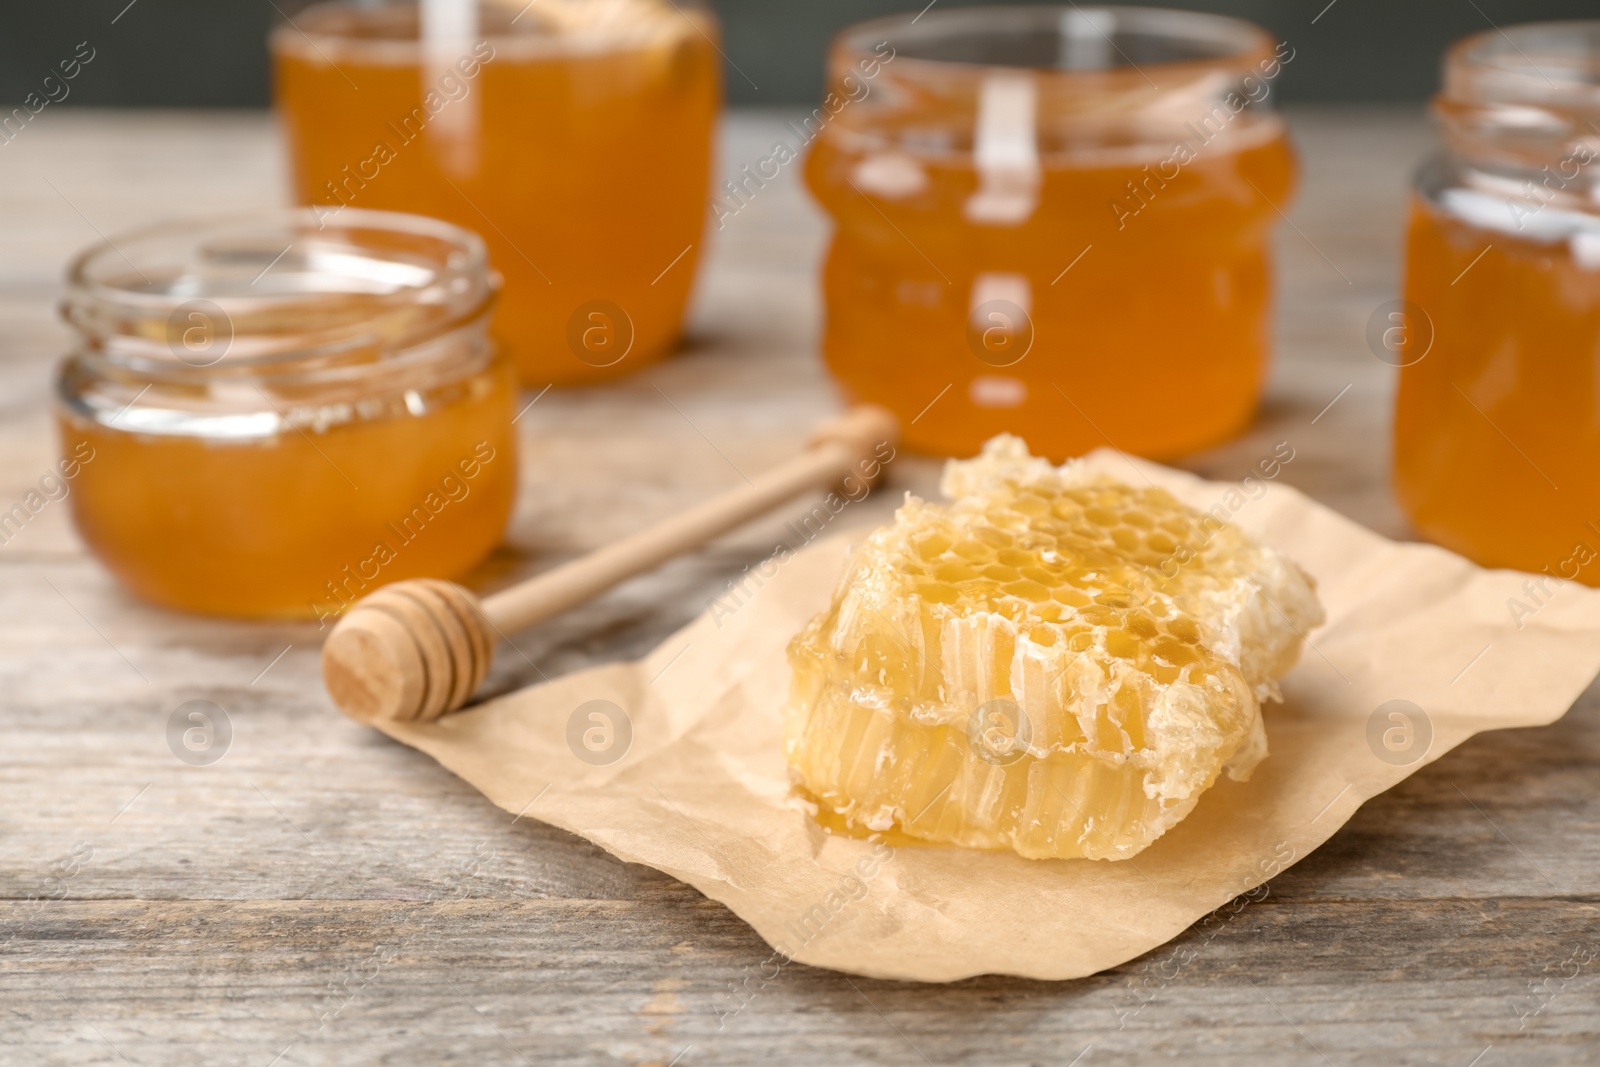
{"points": [[1497, 421], [574, 135], [271, 416], [1052, 221]]}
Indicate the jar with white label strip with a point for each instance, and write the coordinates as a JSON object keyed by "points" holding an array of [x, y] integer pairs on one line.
{"points": [[1052, 221], [576, 136], [1497, 421]]}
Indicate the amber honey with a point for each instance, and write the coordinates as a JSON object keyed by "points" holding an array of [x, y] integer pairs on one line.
{"points": [[279, 418], [1066, 248], [575, 137], [305, 522], [1496, 427], [1497, 419]]}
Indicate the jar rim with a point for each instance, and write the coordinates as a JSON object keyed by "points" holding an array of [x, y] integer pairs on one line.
{"points": [[325, 30], [379, 280], [1196, 40], [1524, 98], [1495, 66]]}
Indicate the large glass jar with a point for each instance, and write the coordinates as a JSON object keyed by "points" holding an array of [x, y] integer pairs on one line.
{"points": [[574, 135], [1052, 221], [271, 416], [1497, 423]]}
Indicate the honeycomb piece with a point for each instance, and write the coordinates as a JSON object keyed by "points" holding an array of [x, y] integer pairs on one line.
{"points": [[1055, 663]]}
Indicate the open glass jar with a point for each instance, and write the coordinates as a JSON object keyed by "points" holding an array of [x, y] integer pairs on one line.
{"points": [[1052, 221], [270, 418], [1497, 422], [575, 135]]}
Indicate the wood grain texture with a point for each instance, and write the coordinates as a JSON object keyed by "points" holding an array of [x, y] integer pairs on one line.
{"points": [[324, 896]]}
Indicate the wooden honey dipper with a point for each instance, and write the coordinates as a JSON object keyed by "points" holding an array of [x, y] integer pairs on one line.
{"points": [[417, 649]]}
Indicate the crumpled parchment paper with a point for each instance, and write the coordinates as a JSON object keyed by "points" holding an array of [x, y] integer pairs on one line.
{"points": [[680, 765]]}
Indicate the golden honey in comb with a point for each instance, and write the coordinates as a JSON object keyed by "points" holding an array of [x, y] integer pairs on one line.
{"points": [[1054, 662]]}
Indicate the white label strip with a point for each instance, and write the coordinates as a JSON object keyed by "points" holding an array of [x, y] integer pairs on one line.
{"points": [[1085, 40], [1005, 151], [449, 31], [997, 285]]}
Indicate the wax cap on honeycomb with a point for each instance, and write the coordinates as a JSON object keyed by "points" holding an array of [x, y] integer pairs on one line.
{"points": [[1053, 662]]}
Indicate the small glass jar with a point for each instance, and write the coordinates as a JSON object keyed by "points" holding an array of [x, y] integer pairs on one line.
{"points": [[1497, 420], [575, 135], [271, 417], [1052, 221]]}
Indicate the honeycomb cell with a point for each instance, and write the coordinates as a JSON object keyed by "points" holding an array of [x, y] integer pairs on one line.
{"points": [[1084, 660]]}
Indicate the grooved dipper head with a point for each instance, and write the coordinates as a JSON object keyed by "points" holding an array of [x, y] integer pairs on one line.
{"points": [[412, 651]]}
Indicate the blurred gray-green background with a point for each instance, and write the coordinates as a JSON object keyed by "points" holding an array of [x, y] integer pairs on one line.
{"points": [[212, 53]]}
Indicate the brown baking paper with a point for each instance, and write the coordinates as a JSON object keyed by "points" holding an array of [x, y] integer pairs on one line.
{"points": [[703, 792]]}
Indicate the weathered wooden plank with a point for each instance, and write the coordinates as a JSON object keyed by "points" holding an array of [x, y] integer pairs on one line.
{"points": [[345, 980]]}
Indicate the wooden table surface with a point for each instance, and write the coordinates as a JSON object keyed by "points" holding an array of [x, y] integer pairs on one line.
{"points": [[321, 895]]}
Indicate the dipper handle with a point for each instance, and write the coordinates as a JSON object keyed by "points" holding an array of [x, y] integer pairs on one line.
{"points": [[418, 649]]}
